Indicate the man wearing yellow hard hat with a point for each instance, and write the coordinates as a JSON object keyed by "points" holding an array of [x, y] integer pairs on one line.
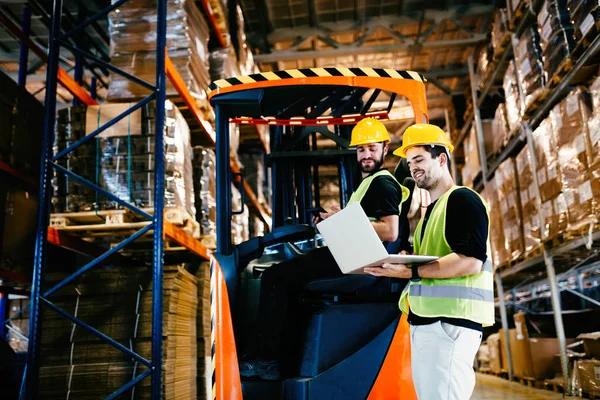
{"points": [[449, 301], [381, 197]]}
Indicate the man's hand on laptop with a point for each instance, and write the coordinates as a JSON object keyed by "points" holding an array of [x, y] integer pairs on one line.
{"points": [[325, 215], [390, 271]]}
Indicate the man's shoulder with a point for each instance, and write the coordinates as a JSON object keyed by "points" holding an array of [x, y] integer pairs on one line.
{"points": [[386, 181], [465, 197]]}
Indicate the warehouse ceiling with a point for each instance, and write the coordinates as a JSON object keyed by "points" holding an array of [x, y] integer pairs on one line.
{"points": [[431, 37]]}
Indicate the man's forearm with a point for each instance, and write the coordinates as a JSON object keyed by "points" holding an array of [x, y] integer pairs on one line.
{"points": [[451, 266], [387, 228]]}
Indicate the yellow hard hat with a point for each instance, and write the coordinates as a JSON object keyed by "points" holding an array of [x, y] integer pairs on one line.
{"points": [[367, 131], [421, 135]]}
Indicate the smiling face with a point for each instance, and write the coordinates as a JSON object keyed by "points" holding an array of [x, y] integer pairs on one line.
{"points": [[426, 170], [370, 157]]}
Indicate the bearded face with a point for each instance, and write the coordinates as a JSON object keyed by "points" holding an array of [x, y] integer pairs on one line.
{"points": [[370, 157]]}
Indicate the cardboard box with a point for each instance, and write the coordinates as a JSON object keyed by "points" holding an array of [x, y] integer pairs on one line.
{"points": [[588, 374], [532, 358], [494, 353], [97, 116], [591, 344]]}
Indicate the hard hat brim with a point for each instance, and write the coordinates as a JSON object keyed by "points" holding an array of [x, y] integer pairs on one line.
{"points": [[401, 151]]}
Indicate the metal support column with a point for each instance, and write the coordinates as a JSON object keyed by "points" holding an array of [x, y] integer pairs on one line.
{"points": [[24, 50], [504, 319], [159, 196], [223, 175], [3, 315], [316, 189], [448, 132], [478, 125], [43, 208], [78, 74]]}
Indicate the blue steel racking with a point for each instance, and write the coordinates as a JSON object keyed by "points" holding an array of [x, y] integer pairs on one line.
{"points": [[56, 41]]}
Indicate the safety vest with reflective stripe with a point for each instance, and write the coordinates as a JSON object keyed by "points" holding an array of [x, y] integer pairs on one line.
{"points": [[469, 297], [363, 188]]}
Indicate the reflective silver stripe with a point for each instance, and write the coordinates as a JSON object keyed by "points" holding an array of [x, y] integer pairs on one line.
{"points": [[452, 292], [487, 266]]}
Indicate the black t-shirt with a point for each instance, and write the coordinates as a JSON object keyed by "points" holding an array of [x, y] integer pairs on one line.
{"points": [[382, 198], [466, 232]]}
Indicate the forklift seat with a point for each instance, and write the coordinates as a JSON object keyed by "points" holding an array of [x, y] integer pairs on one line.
{"points": [[346, 285]]}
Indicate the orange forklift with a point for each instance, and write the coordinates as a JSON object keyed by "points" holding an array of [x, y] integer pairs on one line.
{"points": [[349, 340]]}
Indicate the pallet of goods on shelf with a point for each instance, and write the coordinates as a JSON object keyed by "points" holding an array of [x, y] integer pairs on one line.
{"points": [[484, 65], [21, 126], [497, 240], [500, 130], [508, 196], [585, 16], [121, 159], [593, 132], [529, 204], [205, 193], [554, 209], [133, 49], [557, 38], [530, 67], [246, 63], [500, 33], [518, 10], [118, 302], [512, 93], [570, 125]]}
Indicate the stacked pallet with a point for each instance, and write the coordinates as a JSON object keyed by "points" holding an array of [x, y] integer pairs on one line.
{"points": [[133, 46], [118, 302], [121, 160]]}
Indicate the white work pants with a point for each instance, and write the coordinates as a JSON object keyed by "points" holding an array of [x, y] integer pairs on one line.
{"points": [[442, 361]]}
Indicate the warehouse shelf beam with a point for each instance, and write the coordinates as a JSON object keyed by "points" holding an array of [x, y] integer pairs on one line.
{"points": [[356, 49], [7, 169], [498, 67], [63, 77], [213, 23]]}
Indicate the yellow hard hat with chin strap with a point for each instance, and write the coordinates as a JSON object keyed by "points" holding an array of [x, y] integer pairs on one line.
{"points": [[367, 131], [423, 135]]}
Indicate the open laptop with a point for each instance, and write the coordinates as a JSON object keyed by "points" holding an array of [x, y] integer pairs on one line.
{"points": [[355, 245]]}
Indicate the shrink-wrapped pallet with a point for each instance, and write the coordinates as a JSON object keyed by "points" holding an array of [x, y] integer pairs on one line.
{"points": [[556, 33], [514, 107], [500, 31], [548, 169], [121, 160], [529, 203], [570, 126], [530, 67], [508, 197], [500, 129], [133, 46]]}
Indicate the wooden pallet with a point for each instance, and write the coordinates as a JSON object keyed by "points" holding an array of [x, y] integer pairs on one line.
{"points": [[555, 385], [531, 382], [563, 69], [573, 234], [488, 371], [109, 223], [536, 102], [504, 43], [519, 13]]}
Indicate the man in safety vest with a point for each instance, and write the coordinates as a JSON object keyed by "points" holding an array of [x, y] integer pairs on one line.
{"points": [[449, 301], [380, 195]]}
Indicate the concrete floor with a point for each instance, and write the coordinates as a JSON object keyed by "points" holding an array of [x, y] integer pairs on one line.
{"points": [[492, 388]]}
